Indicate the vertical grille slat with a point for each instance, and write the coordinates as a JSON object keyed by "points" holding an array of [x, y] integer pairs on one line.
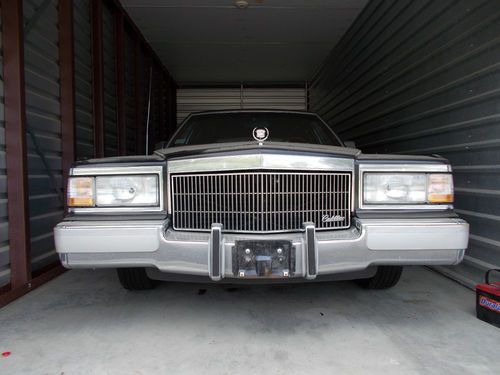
{"points": [[261, 201]]}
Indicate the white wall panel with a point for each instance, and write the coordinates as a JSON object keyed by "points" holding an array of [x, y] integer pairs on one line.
{"points": [[191, 100]]}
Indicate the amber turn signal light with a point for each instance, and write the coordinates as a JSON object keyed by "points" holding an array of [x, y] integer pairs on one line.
{"points": [[440, 188], [81, 192]]}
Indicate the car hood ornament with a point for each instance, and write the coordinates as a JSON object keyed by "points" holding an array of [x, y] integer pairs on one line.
{"points": [[260, 134]]}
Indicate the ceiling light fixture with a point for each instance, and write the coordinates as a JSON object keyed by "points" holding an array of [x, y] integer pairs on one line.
{"points": [[241, 4]]}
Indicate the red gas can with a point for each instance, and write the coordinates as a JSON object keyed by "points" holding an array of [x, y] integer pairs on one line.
{"points": [[488, 300]]}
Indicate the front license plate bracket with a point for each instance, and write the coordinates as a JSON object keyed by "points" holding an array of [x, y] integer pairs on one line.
{"points": [[263, 259]]}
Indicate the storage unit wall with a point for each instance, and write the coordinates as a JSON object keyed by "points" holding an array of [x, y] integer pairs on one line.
{"points": [[43, 125], [4, 217], [422, 77], [72, 81], [197, 99]]}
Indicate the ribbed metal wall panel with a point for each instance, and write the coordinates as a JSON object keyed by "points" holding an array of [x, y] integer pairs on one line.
{"points": [[202, 99], [4, 219], [83, 79], [109, 64], [423, 77], [130, 112], [155, 125], [143, 79], [43, 122]]}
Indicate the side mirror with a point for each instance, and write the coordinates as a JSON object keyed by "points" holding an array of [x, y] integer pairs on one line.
{"points": [[160, 145], [350, 144]]}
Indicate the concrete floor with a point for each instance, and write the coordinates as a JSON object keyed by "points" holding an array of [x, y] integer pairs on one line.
{"points": [[84, 323]]}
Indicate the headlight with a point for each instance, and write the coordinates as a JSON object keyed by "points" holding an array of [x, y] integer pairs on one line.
{"points": [[122, 190], [407, 188]]}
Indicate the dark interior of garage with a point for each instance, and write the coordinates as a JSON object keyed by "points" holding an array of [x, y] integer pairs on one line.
{"points": [[85, 79]]}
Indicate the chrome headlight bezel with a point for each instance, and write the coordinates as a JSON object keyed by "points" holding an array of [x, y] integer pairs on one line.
{"points": [[402, 169], [125, 172]]}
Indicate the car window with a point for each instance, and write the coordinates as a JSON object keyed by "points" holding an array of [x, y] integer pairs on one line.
{"points": [[239, 127]]}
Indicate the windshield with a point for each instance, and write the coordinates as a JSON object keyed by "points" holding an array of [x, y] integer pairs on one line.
{"points": [[244, 126]]}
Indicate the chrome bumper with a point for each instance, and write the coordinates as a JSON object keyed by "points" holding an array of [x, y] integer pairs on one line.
{"points": [[369, 242]]}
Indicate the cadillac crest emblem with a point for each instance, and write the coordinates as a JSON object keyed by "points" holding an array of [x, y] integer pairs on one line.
{"points": [[260, 134]]}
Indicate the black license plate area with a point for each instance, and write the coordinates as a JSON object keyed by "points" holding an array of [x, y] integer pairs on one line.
{"points": [[263, 259]]}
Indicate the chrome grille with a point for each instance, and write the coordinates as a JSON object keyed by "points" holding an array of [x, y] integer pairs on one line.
{"points": [[261, 201]]}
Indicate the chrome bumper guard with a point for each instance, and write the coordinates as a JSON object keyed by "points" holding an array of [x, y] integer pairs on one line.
{"points": [[369, 242]]}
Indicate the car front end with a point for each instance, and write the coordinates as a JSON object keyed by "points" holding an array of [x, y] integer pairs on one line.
{"points": [[261, 212]]}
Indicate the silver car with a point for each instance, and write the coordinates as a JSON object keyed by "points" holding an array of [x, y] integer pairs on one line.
{"points": [[260, 196]]}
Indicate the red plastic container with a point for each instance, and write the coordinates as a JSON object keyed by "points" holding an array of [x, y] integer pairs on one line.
{"points": [[488, 300]]}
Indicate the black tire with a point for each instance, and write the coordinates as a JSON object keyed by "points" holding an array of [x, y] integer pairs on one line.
{"points": [[135, 279], [385, 278]]}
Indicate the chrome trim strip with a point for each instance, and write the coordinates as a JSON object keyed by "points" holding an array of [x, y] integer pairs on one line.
{"points": [[259, 161], [106, 171], [215, 258], [311, 249], [424, 168], [401, 168]]}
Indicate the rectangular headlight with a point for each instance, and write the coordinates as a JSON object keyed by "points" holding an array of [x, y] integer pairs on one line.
{"points": [[394, 188], [127, 190], [407, 188], [81, 192]]}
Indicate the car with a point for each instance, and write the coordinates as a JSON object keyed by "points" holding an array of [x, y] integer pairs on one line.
{"points": [[260, 196]]}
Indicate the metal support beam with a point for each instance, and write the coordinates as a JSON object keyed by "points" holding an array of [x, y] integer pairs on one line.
{"points": [[97, 77], [67, 87], [15, 142], [120, 81]]}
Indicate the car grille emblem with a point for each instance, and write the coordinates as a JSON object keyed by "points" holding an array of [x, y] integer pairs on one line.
{"points": [[260, 134], [332, 219]]}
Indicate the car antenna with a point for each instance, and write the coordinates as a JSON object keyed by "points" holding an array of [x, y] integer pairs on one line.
{"points": [[149, 109]]}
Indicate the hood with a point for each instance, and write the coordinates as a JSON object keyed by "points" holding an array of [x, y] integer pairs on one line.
{"points": [[180, 151], [268, 147]]}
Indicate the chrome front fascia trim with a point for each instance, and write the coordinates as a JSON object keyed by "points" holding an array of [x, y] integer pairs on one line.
{"points": [[371, 242], [215, 258], [401, 168], [256, 161], [311, 248], [117, 171], [260, 161], [340, 182]]}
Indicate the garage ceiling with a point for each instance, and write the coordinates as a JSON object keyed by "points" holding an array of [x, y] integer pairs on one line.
{"points": [[208, 41]]}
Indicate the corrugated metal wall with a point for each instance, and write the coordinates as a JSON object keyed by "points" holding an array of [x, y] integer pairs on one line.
{"points": [[423, 77], [157, 123], [109, 63], [161, 109], [203, 99], [45, 131], [83, 79], [144, 80], [4, 223], [130, 110], [43, 125]]}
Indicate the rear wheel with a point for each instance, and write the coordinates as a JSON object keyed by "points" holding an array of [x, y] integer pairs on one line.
{"points": [[135, 279], [386, 277]]}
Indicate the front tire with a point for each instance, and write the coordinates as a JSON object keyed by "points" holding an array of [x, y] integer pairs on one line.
{"points": [[135, 279], [385, 278]]}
